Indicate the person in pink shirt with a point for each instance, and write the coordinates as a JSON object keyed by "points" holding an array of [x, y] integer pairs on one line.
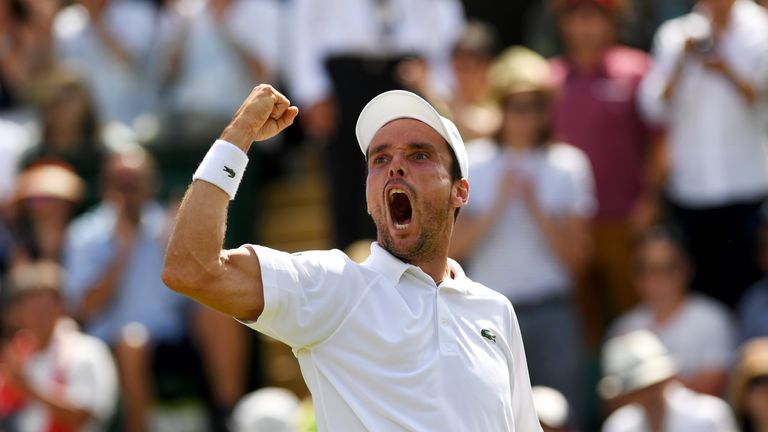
{"points": [[595, 110]]}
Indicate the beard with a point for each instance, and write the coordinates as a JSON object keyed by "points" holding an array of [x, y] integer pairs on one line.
{"points": [[433, 222]]}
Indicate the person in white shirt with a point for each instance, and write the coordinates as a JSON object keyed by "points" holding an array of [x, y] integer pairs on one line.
{"points": [[208, 58], [342, 53], [108, 42], [639, 379], [63, 379], [403, 341], [709, 78], [698, 331]]}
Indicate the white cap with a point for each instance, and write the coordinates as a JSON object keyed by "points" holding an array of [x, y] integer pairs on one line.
{"points": [[634, 361], [397, 104]]}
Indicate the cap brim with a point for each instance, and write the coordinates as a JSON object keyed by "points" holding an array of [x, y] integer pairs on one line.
{"points": [[398, 104]]}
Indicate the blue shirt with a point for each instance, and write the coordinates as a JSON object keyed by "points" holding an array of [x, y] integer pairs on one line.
{"points": [[141, 296], [753, 311]]}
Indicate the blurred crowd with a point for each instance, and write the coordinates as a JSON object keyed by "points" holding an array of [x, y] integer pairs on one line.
{"points": [[619, 184]]}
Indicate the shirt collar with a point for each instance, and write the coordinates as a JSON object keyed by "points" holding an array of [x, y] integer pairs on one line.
{"points": [[392, 268]]}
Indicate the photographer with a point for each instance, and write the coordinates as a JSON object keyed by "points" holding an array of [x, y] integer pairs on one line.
{"points": [[706, 86]]}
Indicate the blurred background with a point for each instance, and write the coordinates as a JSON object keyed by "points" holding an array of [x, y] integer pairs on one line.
{"points": [[619, 174]]}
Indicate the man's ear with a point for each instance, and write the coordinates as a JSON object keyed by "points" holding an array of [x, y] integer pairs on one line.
{"points": [[460, 193]]}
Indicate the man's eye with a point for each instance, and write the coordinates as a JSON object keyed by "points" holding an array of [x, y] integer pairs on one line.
{"points": [[421, 156], [379, 160]]}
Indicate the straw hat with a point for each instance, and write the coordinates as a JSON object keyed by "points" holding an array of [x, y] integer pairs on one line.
{"points": [[50, 180], [753, 363], [519, 70], [634, 361]]}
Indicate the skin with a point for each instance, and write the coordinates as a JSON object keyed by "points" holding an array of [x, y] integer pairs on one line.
{"points": [[757, 406], [663, 286], [403, 153], [409, 155]]}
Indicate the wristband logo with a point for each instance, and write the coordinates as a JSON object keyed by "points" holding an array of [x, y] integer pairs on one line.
{"points": [[230, 172]]}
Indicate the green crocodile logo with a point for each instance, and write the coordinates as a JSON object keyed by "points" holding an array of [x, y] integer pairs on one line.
{"points": [[488, 334], [230, 172]]}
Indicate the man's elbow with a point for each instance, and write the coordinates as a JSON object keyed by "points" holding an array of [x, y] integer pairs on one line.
{"points": [[178, 276]]}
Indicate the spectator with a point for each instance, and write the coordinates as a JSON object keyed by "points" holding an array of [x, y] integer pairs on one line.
{"points": [[595, 110], [62, 378], [552, 409], [213, 42], [69, 128], [108, 42], [750, 386], [640, 379], [753, 306], [114, 255], [524, 233], [342, 54], [718, 174], [25, 55], [696, 330], [47, 196]]}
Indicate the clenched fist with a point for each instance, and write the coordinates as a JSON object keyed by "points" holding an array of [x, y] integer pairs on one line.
{"points": [[263, 114]]}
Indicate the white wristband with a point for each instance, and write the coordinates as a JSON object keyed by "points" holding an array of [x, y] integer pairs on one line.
{"points": [[223, 166]]}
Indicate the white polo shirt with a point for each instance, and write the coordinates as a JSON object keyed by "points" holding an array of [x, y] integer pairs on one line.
{"points": [[382, 348]]}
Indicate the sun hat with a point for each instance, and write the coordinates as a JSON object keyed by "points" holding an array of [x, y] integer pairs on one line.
{"points": [[634, 361], [50, 180], [400, 104], [32, 277], [519, 70], [753, 363]]}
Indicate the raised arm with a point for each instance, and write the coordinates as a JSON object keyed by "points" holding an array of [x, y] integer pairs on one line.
{"points": [[195, 263]]}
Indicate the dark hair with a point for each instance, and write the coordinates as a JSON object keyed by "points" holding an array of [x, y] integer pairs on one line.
{"points": [[662, 233]]}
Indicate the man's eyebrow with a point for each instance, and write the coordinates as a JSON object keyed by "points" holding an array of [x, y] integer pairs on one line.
{"points": [[377, 149], [411, 146]]}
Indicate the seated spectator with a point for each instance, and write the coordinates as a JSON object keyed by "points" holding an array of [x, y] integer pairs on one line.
{"points": [[47, 196], [697, 331], [750, 386], [639, 379], [60, 378], [114, 256], [525, 231], [552, 409], [753, 307], [108, 43]]}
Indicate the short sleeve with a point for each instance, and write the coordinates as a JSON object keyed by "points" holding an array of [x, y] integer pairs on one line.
{"points": [[93, 379], [718, 340], [307, 295], [580, 187]]}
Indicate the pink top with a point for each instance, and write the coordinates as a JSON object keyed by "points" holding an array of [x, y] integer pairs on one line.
{"points": [[597, 112]]}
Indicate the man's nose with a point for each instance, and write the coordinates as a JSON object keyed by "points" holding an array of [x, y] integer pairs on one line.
{"points": [[397, 167]]}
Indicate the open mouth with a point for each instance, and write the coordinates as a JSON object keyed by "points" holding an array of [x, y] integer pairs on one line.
{"points": [[400, 208]]}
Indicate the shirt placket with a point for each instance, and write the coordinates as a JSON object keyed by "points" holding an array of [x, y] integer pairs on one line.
{"points": [[446, 332]]}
